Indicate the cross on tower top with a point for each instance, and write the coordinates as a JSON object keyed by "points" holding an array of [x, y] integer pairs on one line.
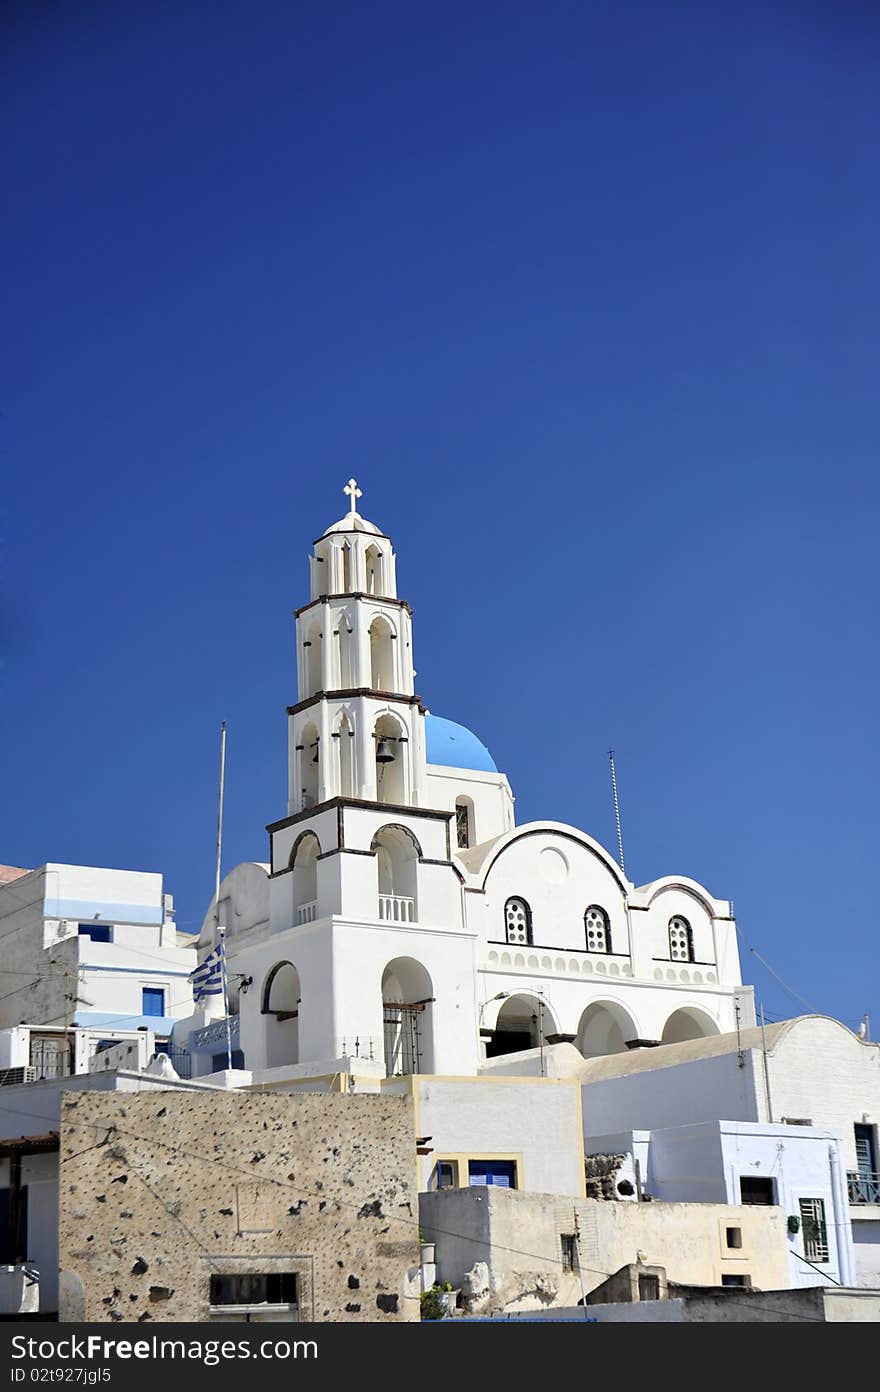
{"points": [[354, 493]]}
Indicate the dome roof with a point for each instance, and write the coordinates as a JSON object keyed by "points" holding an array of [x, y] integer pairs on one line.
{"points": [[353, 522], [455, 746]]}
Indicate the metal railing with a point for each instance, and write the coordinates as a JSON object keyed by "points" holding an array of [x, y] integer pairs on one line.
{"points": [[863, 1186], [397, 908], [307, 913]]}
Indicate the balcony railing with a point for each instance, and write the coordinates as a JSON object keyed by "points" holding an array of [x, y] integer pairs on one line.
{"points": [[397, 908], [864, 1186], [307, 913]]}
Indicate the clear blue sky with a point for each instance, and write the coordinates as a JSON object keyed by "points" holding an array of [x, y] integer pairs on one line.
{"points": [[586, 296]]}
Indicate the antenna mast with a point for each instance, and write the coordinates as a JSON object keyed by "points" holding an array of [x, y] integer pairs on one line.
{"points": [[221, 931], [616, 811]]}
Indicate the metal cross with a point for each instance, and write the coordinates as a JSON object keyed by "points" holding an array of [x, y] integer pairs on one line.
{"points": [[354, 493]]}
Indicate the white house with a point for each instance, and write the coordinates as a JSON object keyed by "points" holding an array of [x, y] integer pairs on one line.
{"points": [[404, 923], [93, 948]]}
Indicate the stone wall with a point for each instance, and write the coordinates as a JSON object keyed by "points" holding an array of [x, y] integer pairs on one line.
{"points": [[161, 1190]]}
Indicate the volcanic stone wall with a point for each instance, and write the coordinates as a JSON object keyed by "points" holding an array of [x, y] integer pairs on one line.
{"points": [[161, 1190]]}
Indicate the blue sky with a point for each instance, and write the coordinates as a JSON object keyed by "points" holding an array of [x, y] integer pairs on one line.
{"points": [[585, 296]]}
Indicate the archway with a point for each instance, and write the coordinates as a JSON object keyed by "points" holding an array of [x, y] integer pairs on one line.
{"points": [[309, 762], [397, 860], [604, 1028], [314, 654], [375, 571], [281, 1001], [345, 754], [343, 636], [523, 1022], [390, 750], [381, 655], [304, 862], [688, 1023], [407, 1018]]}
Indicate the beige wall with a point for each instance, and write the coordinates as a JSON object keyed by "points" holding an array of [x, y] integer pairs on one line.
{"points": [[193, 1183], [518, 1235]]}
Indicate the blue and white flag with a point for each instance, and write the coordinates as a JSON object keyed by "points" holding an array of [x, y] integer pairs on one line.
{"points": [[207, 979]]}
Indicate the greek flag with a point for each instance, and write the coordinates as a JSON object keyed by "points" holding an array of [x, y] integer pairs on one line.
{"points": [[207, 979]]}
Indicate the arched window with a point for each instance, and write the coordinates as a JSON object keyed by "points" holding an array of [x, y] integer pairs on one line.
{"points": [[308, 753], [464, 822], [381, 655], [313, 651], [374, 569], [345, 746], [597, 929], [518, 921], [681, 940]]}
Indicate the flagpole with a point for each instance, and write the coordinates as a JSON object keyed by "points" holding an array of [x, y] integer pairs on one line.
{"points": [[221, 933]]}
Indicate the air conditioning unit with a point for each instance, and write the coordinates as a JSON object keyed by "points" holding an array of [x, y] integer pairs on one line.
{"points": [[12, 1077]]}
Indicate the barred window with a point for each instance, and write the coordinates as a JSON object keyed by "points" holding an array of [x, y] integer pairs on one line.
{"points": [[518, 922], [681, 940], [462, 823], [597, 929], [815, 1231]]}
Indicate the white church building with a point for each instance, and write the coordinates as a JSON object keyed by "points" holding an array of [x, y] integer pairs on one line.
{"points": [[405, 924]]}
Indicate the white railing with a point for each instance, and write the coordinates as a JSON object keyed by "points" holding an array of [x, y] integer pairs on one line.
{"points": [[307, 913], [397, 908]]}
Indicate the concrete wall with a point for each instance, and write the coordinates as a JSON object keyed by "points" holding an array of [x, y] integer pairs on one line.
{"points": [[191, 1184], [519, 1237], [534, 1121], [866, 1250], [702, 1090]]}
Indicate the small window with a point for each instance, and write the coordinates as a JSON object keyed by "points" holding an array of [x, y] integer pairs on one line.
{"points": [[463, 836], [815, 1232], [756, 1190], [153, 1001], [254, 1288], [681, 940], [98, 932], [446, 1174], [518, 922], [497, 1172], [737, 1280], [569, 1245], [649, 1287], [734, 1237], [597, 929]]}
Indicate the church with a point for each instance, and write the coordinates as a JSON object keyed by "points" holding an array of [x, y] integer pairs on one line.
{"points": [[404, 923]]}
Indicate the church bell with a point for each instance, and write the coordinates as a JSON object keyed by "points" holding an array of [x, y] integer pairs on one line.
{"points": [[384, 753]]}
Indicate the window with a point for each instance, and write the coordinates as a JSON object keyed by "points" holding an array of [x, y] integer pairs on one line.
{"points": [[153, 1001], [815, 1232], [254, 1288], [681, 940], [597, 929], [518, 922], [98, 932], [728, 1279], [734, 1237], [220, 1061], [499, 1172], [649, 1287], [569, 1245], [462, 823], [756, 1190], [446, 1174]]}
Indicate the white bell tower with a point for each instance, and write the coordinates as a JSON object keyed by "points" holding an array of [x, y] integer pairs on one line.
{"points": [[357, 730]]}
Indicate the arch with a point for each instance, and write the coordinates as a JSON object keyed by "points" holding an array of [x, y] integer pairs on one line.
{"points": [[281, 998], [374, 561], [518, 921], [314, 659], [464, 822], [523, 1022], [391, 776], [604, 1028], [688, 1023], [381, 636], [407, 1017], [397, 859], [565, 833], [322, 570], [346, 567], [309, 751], [343, 638], [597, 929], [344, 741], [304, 863]]}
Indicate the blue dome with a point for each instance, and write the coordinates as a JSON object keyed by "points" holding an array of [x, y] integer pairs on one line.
{"points": [[454, 746]]}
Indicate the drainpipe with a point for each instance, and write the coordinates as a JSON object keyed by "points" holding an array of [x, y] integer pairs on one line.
{"points": [[840, 1200]]}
